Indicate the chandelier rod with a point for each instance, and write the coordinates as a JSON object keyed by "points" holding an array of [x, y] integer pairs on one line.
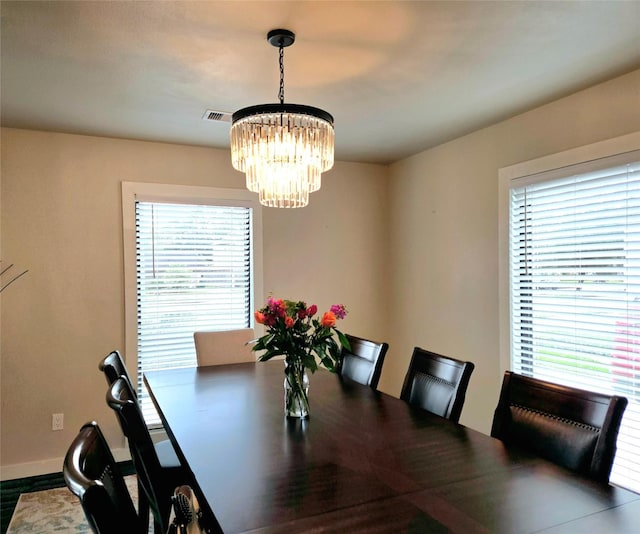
{"points": [[281, 39], [281, 93]]}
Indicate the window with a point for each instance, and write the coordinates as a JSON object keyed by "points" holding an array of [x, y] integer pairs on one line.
{"points": [[574, 285], [193, 263]]}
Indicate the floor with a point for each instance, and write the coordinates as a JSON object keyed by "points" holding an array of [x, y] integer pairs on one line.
{"points": [[10, 490]]}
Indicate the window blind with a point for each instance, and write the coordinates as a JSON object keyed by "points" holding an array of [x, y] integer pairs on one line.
{"points": [[575, 286], [194, 272]]}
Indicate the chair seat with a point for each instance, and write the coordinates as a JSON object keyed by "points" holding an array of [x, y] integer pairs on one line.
{"points": [[173, 473], [167, 455]]}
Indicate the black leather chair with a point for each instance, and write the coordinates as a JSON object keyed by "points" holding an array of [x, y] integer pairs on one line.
{"points": [[113, 367], [571, 427], [91, 473], [158, 482], [437, 383], [362, 363]]}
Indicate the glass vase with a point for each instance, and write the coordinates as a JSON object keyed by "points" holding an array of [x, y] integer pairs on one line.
{"points": [[296, 390]]}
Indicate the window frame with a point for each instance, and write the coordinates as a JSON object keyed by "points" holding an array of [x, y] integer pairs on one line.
{"points": [[177, 194]]}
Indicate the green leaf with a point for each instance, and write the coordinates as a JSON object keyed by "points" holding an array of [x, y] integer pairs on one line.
{"points": [[343, 340]]}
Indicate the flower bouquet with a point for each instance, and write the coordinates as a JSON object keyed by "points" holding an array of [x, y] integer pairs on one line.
{"points": [[294, 331]]}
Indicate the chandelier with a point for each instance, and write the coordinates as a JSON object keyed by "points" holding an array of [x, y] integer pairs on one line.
{"points": [[282, 148]]}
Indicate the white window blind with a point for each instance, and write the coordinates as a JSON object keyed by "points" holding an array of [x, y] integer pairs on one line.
{"points": [[575, 286], [194, 272]]}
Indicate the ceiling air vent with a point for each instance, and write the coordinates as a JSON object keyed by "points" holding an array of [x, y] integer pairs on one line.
{"points": [[220, 116]]}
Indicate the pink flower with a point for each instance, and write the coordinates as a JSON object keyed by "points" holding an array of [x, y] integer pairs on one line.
{"points": [[312, 310], [302, 313], [289, 322], [339, 310], [276, 306], [328, 319]]}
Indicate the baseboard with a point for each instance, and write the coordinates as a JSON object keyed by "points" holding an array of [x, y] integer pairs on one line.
{"points": [[45, 467]]}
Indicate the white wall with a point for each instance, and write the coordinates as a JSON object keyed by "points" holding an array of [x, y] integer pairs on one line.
{"points": [[444, 232], [61, 219]]}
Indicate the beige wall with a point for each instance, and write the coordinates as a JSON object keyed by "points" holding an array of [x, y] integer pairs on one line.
{"points": [[61, 219], [444, 232]]}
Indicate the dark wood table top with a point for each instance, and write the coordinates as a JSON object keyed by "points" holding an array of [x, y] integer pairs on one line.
{"points": [[363, 462]]}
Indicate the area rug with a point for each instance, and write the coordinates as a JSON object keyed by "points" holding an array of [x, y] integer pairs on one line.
{"points": [[54, 511]]}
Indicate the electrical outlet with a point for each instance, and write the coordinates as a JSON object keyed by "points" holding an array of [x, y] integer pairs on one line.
{"points": [[57, 421]]}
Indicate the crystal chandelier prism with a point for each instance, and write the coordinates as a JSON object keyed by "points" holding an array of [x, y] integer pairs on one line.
{"points": [[282, 148]]}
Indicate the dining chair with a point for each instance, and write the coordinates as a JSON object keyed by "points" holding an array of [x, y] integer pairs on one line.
{"points": [[92, 475], [363, 361], [224, 346], [157, 481], [574, 428], [437, 383], [113, 367]]}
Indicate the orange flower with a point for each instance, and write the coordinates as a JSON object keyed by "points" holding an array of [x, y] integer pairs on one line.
{"points": [[288, 321], [259, 316], [328, 319]]}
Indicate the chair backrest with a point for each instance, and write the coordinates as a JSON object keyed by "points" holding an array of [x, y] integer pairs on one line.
{"points": [[224, 346], [92, 474], [437, 383], [122, 399], [363, 361], [571, 427], [113, 367]]}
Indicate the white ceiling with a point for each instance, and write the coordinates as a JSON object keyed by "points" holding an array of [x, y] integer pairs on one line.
{"points": [[398, 77]]}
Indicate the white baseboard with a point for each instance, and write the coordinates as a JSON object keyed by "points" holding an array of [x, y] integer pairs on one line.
{"points": [[44, 467]]}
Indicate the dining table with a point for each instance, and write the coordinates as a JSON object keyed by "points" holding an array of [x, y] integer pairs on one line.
{"points": [[363, 461]]}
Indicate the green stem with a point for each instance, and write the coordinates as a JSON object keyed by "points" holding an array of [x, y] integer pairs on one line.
{"points": [[296, 394]]}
